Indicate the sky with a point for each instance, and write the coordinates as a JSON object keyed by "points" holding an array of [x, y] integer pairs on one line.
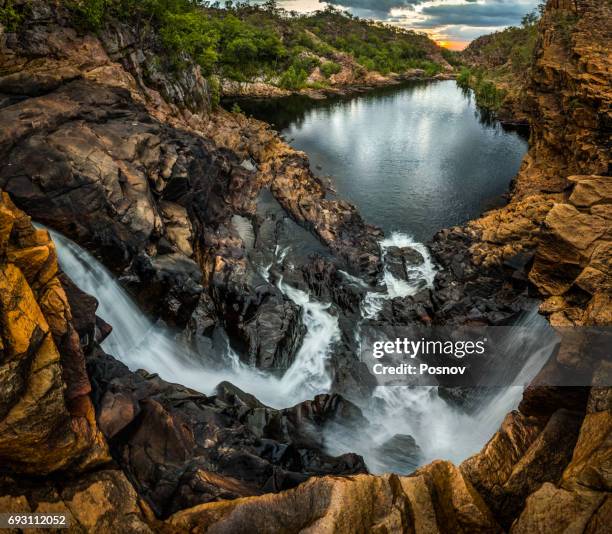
{"points": [[452, 23]]}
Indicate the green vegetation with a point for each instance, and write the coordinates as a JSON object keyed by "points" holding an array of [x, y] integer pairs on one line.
{"points": [[488, 95], [9, 17], [451, 57], [262, 42], [374, 45], [329, 68], [500, 63]]}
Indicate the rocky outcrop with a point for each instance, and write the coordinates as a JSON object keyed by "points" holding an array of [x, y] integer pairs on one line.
{"points": [[47, 420], [435, 499], [559, 211], [152, 185], [122, 157], [181, 448], [103, 500]]}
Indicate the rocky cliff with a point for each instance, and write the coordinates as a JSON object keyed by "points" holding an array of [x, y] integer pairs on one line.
{"points": [[560, 207], [138, 170]]}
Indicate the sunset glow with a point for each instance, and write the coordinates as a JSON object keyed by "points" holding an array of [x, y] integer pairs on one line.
{"points": [[453, 24], [452, 45]]}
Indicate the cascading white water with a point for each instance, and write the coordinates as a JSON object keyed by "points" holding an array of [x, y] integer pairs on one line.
{"points": [[309, 373], [419, 276], [440, 430], [140, 344], [130, 326]]}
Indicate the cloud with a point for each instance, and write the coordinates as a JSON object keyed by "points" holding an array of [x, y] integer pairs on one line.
{"points": [[383, 6], [458, 19], [380, 7], [493, 13], [374, 5]]}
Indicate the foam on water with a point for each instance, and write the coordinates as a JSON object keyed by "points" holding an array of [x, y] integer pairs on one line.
{"points": [[440, 430], [419, 276], [141, 344]]}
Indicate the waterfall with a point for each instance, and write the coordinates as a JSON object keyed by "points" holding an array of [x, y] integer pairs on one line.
{"points": [[309, 372], [440, 430], [142, 344]]}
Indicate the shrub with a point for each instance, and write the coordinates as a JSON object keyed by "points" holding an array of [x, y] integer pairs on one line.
{"points": [[88, 14], [214, 88], [330, 68], [464, 77], [10, 18], [190, 35], [293, 78], [431, 68]]}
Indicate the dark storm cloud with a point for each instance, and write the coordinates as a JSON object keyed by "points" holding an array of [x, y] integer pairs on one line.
{"points": [[375, 6], [493, 13], [489, 13]]}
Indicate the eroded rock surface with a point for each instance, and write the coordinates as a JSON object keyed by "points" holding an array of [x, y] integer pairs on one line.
{"points": [[142, 176], [47, 421], [182, 448]]}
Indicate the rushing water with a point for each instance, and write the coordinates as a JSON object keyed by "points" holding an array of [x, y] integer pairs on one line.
{"points": [[141, 344], [440, 430], [414, 159]]}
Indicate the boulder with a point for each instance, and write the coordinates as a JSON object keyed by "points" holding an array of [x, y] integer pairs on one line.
{"points": [[506, 476], [437, 500], [555, 510], [101, 501], [181, 448]]}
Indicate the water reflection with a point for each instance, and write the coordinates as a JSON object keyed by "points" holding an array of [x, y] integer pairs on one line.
{"points": [[413, 158]]}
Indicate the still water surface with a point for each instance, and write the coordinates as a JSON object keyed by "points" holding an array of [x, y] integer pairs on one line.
{"points": [[414, 158]]}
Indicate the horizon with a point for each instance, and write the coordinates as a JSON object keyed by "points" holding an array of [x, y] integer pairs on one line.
{"points": [[452, 24]]}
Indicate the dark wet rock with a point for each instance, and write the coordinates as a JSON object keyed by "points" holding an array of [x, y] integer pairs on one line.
{"points": [[394, 263], [183, 448], [168, 282], [275, 333], [264, 326], [398, 261], [324, 279], [418, 308], [400, 453], [468, 293], [352, 378], [83, 308]]}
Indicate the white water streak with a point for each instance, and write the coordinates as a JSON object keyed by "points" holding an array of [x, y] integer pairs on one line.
{"points": [[419, 276], [141, 344]]}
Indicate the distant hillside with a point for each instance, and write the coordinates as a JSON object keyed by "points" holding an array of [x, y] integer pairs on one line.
{"points": [[269, 45], [497, 68]]}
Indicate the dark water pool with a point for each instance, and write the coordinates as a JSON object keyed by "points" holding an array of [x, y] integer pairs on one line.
{"points": [[414, 158]]}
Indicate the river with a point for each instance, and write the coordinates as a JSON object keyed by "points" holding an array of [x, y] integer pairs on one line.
{"points": [[413, 158]]}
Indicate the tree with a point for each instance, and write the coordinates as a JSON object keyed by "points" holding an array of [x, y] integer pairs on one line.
{"points": [[271, 6], [529, 19]]}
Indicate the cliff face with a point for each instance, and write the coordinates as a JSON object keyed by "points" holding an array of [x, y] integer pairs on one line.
{"points": [[499, 62], [560, 206], [45, 396], [47, 419], [132, 166]]}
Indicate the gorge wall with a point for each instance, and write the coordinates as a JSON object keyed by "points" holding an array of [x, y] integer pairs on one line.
{"points": [[131, 163]]}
